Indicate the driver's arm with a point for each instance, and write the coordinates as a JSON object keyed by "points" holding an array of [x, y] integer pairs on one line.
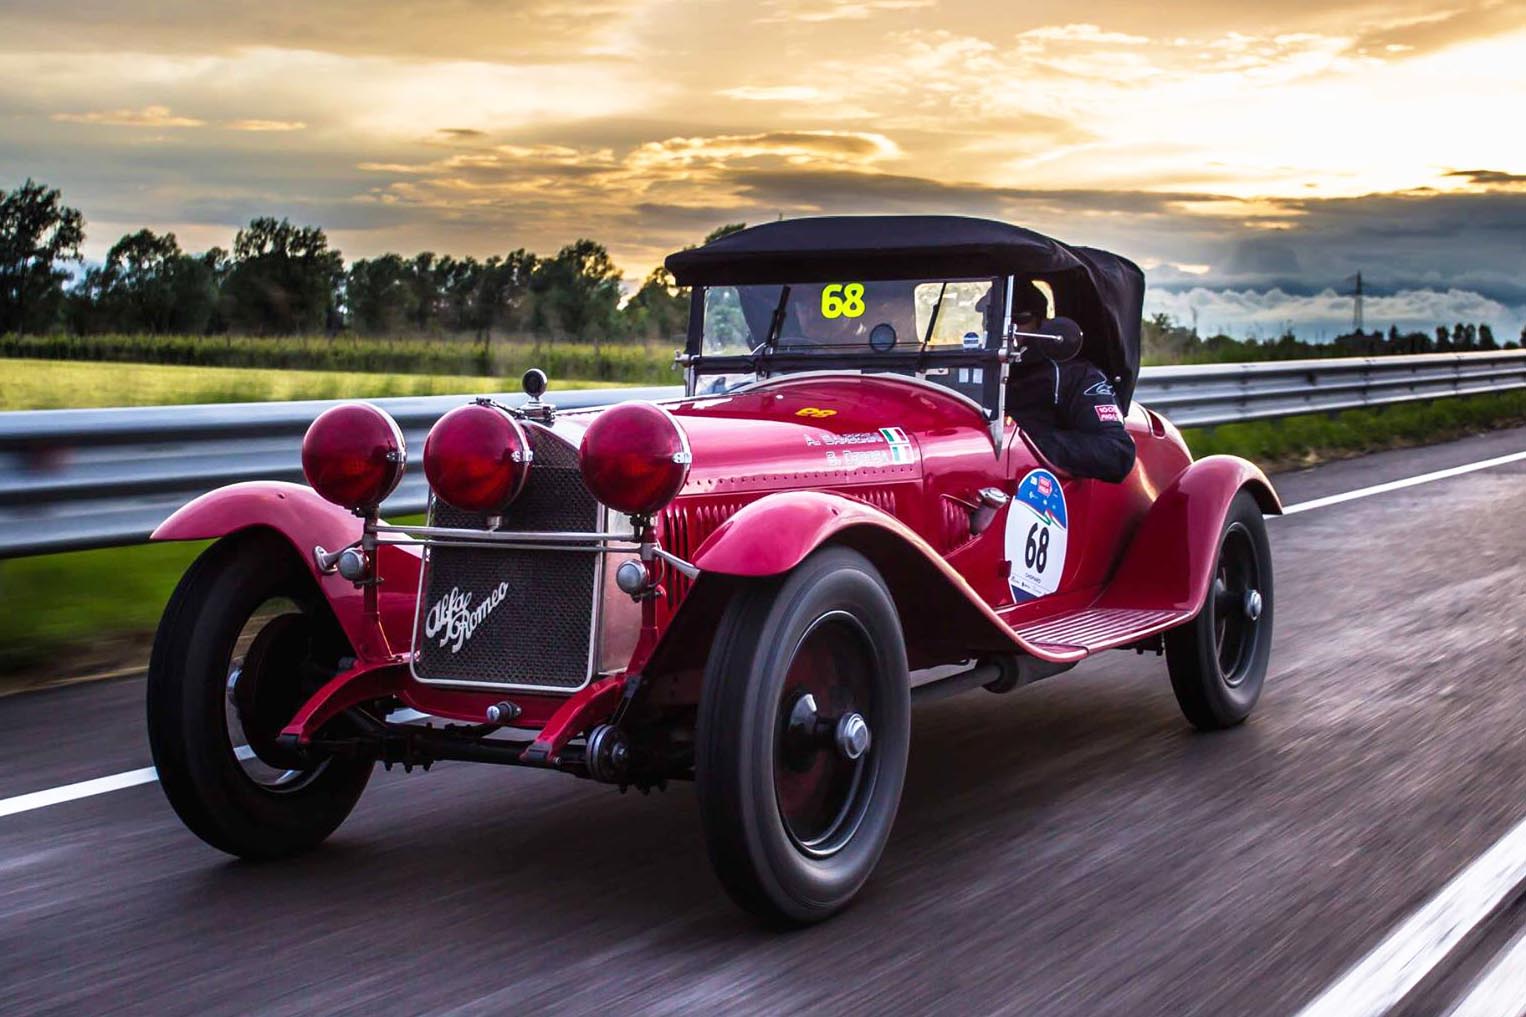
{"points": [[1089, 439]]}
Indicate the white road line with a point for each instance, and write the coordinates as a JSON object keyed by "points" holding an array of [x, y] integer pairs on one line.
{"points": [[1397, 485], [73, 792], [1409, 953], [1501, 990]]}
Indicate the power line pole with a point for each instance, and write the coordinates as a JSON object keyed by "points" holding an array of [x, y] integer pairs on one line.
{"points": [[1356, 312]]}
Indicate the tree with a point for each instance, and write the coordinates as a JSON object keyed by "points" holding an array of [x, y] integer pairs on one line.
{"points": [[1486, 338], [576, 293], [724, 231], [38, 234], [660, 308], [1443, 338], [376, 294], [147, 284], [284, 279]]}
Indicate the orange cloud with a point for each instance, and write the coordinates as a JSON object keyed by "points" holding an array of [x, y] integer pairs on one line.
{"points": [[148, 116]]}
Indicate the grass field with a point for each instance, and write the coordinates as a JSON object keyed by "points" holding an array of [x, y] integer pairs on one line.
{"points": [[66, 614], [66, 384], [507, 357]]}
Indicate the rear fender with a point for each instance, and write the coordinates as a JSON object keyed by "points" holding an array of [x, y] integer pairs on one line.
{"points": [[943, 617], [1169, 564], [307, 521]]}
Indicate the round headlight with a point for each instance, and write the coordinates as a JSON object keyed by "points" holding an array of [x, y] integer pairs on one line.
{"points": [[477, 458], [353, 455], [635, 457]]}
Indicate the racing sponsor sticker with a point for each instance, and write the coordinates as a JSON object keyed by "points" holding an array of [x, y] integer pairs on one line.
{"points": [[1107, 411], [815, 412], [1037, 525]]}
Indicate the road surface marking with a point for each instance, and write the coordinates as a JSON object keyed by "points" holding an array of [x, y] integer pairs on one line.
{"points": [[1396, 485], [1501, 991], [1410, 952], [73, 792]]}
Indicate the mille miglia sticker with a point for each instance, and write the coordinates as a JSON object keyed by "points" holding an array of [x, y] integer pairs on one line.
{"points": [[457, 618]]}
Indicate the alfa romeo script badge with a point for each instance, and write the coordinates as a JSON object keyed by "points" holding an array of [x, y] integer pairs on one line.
{"points": [[454, 618]]}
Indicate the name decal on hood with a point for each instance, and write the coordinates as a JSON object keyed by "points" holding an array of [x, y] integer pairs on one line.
{"points": [[888, 446], [454, 618]]}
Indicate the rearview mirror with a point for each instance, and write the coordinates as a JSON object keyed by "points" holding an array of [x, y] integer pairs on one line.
{"points": [[1062, 340]]}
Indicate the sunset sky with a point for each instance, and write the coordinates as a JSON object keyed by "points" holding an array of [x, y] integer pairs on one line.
{"points": [[1249, 155]]}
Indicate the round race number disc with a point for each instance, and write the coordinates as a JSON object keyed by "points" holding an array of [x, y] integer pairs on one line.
{"points": [[1036, 529]]}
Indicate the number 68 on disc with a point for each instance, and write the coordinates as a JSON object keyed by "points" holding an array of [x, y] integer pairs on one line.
{"points": [[1037, 525]]}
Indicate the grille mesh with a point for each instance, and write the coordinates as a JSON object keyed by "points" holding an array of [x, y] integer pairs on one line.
{"points": [[539, 634]]}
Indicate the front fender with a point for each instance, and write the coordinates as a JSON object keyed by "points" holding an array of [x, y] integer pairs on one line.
{"points": [[307, 521], [1170, 562], [943, 617]]}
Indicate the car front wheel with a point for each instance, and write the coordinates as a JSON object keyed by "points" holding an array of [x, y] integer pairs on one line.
{"points": [[802, 738], [244, 641]]}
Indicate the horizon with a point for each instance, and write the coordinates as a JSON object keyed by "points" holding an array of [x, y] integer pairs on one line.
{"points": [[1251, 161]]}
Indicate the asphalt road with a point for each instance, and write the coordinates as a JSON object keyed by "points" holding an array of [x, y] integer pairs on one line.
{"points": [[1073, 848]]}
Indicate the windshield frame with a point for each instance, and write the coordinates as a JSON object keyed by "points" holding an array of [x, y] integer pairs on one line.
{"points": [[765, 363]]}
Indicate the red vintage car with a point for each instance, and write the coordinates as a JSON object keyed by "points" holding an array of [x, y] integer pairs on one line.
{"points": [[740, 588]]}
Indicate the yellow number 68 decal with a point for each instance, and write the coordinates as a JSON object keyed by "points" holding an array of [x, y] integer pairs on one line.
{"points": [[842, 301]]}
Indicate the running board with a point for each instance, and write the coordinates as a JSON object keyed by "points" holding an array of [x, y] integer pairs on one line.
{"points": [[1100, 628]]}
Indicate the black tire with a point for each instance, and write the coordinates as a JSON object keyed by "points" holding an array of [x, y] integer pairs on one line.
{"points": [[1218, 660], [793, 827], [192, 692]]}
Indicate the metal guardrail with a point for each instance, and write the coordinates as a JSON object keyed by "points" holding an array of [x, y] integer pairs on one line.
{"points": [[76, 479]]}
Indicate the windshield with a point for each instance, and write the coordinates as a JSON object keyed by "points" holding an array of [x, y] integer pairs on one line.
{"points": [[839, 317]]}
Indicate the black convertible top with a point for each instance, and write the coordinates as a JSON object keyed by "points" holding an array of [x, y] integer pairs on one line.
{"points": [[1103, 292]]}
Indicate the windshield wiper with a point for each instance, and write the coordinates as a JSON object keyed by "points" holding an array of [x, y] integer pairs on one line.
{"points": [[777, 321], [932, 322]]}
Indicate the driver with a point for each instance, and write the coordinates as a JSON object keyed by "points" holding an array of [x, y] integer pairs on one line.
{"points": [[1066, 406]]}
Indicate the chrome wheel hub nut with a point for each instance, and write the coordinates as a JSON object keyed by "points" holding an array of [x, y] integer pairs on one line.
{"points": [[852, 735]]}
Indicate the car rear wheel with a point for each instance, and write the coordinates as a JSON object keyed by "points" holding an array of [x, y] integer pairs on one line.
{"points": [[245, 639], [802, 738], [1218, 660]]}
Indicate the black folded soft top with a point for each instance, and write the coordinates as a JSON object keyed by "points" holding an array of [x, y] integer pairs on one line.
{"points": [[1103, 292]]}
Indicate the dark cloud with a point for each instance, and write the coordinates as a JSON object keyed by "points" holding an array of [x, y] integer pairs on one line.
{"points": [[1489, 178]]}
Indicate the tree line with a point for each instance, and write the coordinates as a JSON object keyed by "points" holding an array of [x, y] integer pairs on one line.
{"points": [[1167, 341], [283, 279], [280, 279]]}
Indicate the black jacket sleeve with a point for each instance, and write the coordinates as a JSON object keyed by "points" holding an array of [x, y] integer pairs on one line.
{"points": [[1088, 438]]}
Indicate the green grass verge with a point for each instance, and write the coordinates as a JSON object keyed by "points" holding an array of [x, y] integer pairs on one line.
{"points": [[52, 605], [64, 384], [508, 357], [63, 603], [1306, 440]]}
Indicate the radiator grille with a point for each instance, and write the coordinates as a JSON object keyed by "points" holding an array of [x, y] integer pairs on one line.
{"points": [[540, 633]]}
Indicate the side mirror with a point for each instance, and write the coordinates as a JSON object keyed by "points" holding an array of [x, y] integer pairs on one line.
{"points": [[1064, 338]]}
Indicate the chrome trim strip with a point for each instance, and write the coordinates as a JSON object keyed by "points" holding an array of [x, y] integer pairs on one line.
{"points": [[449, 535]]}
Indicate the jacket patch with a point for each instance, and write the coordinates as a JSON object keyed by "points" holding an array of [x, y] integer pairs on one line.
{"points": [[1101, 388], [1109, 412]]}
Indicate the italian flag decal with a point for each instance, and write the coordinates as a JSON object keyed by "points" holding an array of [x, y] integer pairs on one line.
{"points": [[900, 445]]}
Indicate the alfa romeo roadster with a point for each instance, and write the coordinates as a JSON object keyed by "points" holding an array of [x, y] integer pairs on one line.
{"points": [[741, 587]]}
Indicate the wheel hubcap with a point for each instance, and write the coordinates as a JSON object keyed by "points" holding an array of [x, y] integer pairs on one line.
{"points": [[823, 749], [1237, 604]]}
